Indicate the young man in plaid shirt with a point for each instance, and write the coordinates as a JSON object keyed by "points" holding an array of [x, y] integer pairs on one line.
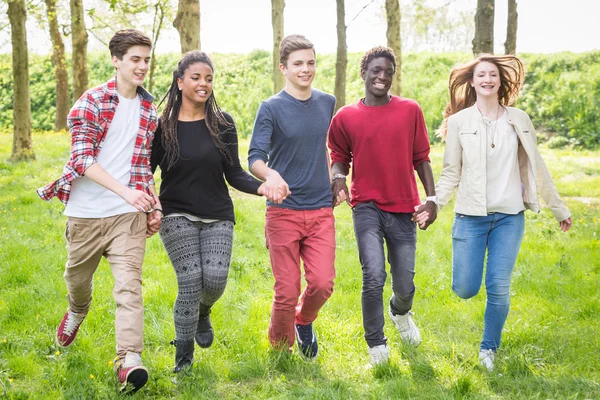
{"points": [[111, 202]]}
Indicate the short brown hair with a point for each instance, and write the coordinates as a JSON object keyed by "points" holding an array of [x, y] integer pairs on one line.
{"points": [[125, 39], [291, 43]]}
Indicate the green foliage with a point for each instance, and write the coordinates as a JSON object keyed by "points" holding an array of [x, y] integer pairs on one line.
{"points": [[562, 95], [561, 92]]}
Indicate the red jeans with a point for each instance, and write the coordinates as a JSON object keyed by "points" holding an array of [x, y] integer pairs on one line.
{"points": [[290, 236]]}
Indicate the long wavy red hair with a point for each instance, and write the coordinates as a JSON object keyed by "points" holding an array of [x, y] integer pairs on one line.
{"points": [[462, 94]]}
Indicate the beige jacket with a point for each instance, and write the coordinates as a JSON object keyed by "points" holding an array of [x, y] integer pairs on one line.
{"points": [[465, 160]]}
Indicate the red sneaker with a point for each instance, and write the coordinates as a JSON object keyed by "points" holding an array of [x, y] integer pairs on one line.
{"points": [[67, 330], [132, 375]]}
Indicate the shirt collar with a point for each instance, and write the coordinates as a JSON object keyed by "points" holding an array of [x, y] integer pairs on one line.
{"points": [[112, 90]]}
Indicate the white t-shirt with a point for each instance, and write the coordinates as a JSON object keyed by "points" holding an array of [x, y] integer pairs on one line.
{"points": [[91, 200], [504, 188]]}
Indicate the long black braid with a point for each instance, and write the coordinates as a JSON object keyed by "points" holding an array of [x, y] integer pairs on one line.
{"points": [[215, 119]]}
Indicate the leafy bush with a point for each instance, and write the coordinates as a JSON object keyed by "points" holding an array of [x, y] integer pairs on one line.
{"points": [[561, 91]]}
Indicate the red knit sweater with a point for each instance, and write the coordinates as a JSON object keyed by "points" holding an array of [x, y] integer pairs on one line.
{"points": [[384, 144]]}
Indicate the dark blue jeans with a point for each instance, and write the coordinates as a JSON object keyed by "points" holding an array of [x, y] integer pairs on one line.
{"points": [[501, 234], [371, 227]]}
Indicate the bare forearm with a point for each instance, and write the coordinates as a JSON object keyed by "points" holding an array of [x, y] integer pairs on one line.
{"points": [[260, 170], [339, 168], [96, 173], [426, 176]]}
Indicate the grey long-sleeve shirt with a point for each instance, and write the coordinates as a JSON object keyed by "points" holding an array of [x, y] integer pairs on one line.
{"points": [[290, 136]]}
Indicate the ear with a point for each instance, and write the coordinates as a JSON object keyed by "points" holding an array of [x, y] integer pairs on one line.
{"points": [[179, 82], [115, 61], [282, 68], [363, 74]]}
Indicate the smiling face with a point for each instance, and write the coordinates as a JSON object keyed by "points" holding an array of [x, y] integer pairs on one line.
{"points": [[486, 80], [300, 68], [196, 85], [133, 66], [378, 77]]}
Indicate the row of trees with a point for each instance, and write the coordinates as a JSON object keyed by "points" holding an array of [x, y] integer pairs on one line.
{"points": [[187, 22]]}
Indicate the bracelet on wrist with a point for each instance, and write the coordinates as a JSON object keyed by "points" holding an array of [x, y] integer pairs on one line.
{"points": [[432, 199], [338, 176]]}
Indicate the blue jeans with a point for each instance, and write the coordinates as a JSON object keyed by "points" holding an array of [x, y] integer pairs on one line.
{"points": [[371, 227], [501, 234]]}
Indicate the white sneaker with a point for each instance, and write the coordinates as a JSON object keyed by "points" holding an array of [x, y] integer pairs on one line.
{"points": [[379, 354], [486, 358], [407, 328]]}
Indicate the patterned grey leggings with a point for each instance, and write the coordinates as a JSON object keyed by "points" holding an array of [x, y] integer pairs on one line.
{"points": [[200, 254]]}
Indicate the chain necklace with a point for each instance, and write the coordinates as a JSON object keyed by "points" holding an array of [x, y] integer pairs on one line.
{"points": [[487, 131]]}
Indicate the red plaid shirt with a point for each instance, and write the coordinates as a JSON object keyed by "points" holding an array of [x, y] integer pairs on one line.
{"points": [[89, 120]]}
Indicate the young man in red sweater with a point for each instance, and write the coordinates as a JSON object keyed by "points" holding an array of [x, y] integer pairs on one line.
{"points": [[385, 139]]}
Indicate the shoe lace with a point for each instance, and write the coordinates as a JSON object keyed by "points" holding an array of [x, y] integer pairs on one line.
{"points": [[73, 321]]}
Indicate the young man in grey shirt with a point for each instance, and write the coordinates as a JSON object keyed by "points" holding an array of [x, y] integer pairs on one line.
{"points": [[289, 136]]}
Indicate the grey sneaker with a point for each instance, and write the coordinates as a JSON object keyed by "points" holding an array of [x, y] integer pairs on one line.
{"points": [[486, 358], [379, 354], [407, 328]]}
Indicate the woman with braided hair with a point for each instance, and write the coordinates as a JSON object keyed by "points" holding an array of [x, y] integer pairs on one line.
{"points": [[196, 148]]}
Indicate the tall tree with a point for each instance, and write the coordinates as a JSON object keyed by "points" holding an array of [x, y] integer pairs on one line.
{"points": [[510, 46], [277, 7], [484, 27], [60, 67], [341, 60], [187, 23], [22, 144], [79, 37], [392, 11]]}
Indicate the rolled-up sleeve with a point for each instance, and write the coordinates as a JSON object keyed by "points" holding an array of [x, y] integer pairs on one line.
{"points": [[338, 143], [85, 132]]}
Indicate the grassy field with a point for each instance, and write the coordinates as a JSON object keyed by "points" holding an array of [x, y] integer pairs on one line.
{"points": [[551, 342]]}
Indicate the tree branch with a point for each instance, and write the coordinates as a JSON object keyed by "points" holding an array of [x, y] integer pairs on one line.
{"points": [[361, 10]]}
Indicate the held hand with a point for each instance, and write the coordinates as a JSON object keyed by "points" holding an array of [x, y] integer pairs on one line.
{"points": [[339, 192], [566, 224], [425, 214], [153, 224], [275, 189], [140, 200]]}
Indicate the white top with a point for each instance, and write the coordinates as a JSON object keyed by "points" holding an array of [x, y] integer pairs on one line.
{"points": [[192, 218], [504, 188], [91, 200]]}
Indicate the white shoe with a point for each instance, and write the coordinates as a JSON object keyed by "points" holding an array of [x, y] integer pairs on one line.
{"points": [[379, 354], [407, 328], [486, 358]]}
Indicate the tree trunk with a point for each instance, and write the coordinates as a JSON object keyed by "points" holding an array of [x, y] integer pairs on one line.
{"points": [[60, 68], [484, 28], [187, 23], [80, 40], [277, 7], [341, 60], [159, 15], [22, 144], [392, 10], [510, 46]]}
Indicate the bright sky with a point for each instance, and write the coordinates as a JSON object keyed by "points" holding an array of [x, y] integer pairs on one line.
{"points": [[545, 26]]}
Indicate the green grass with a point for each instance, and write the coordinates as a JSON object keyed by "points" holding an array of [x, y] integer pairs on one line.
{"points": [[551, 341]]}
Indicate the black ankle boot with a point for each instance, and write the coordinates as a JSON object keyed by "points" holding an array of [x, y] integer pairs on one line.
{"points": [[204, 333], [184, 354]]}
